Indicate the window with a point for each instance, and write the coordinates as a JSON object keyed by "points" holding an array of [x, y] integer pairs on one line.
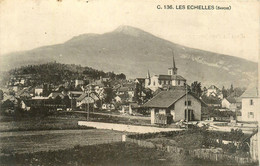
{"points": [[189, 103], [160, 82], [179, 82], [154, 83], [164, 82], [251, 102], [250, 115]]}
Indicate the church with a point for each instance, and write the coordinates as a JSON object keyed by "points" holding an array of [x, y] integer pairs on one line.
{"points": [[165, 81]]}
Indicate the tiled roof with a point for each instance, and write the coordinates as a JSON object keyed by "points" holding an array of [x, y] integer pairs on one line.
{"points": [[165, 99], [231, 99], [251, 92]]}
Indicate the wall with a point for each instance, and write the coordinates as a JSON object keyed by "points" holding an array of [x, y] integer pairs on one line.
{"points": [[254, 147], [180, 108], [246, 108], [225, 103], [175, 83]]}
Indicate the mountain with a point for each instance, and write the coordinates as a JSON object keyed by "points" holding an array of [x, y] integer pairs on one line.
{"points": [[133, 51]]}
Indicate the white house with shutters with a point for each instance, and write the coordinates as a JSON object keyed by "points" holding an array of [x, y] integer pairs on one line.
{"points": [[250, 105]]}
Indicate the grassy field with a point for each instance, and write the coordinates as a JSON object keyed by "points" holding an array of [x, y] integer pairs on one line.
{"points": [[116, 154], [35, 141]]}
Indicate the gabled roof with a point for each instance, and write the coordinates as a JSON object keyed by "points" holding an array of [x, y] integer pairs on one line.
{"points": [[213, 87], [251, 92], [84, 95], [55, 94], [231, 99], [166, 98]]}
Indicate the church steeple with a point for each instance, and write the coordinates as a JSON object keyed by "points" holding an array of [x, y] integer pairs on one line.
{"points": [[173, 69]]}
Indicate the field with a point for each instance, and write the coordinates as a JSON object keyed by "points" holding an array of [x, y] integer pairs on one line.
{"points": [[33, 134], [34, 141], [126, 154]]}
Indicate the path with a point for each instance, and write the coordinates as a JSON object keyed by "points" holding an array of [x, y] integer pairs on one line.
{"points": [[125, 128]]}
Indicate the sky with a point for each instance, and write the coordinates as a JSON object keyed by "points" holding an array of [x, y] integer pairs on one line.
{"points": [[28, 24]]}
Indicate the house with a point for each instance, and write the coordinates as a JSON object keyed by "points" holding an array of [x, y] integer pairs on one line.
{"points": [[26, 92], [42, 103], [214, 91], [86, 98], [38, 91], [79, 82], [175, 103], [53, 95], [250, 105], [231, 103], [164, 81], [25, 105], [108, 106], [118, 99]]}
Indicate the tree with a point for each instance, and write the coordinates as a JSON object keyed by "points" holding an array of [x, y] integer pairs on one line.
{"points": [[196, 88], [148, 94], [231, 89], [121, 76], [1, 95], [224, 92], [108, 95]]}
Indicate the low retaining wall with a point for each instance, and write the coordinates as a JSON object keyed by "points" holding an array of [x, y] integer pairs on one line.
{"points": [[126, 128], [206, 154]]}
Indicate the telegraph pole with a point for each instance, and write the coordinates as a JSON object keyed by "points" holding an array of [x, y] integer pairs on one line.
{"points": [[88, 108]]}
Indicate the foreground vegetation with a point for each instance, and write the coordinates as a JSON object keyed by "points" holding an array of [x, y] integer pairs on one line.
{"points": [[234, 142], [104, 154]]}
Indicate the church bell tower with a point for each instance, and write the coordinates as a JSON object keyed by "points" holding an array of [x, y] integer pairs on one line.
{"points": [[173, 69]]}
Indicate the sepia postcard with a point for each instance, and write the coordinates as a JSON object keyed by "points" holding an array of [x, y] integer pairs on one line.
{"points": [[129, 82]]}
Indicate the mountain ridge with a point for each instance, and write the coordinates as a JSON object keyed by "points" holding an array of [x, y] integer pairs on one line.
{"points": [[134, 51]]}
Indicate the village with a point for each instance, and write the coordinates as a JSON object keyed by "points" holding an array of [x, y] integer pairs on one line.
{"points": [[159, 103]]}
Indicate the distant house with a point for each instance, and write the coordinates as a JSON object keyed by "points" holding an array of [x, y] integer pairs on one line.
{"points": [[231, 103], [214, 91], [53, 95], [38, 91], [85, 99], [79, 82], [108, 106], [49, 104], [26, 105], [26, 92], [126, 92], [173, 102], [74, 94], [250, 105]]}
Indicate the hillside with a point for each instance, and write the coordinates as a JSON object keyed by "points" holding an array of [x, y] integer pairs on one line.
{"points": [[133, 51], [57, 73]]}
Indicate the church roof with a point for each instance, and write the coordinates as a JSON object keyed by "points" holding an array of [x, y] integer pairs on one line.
{"points": [[171, 77]]}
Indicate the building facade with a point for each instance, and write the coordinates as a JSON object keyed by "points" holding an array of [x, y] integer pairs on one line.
{"points": [[165, 81], [176, 104], [250, 105]]}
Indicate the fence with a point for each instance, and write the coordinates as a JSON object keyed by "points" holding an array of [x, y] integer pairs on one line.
{"points": [[207, 154]]}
